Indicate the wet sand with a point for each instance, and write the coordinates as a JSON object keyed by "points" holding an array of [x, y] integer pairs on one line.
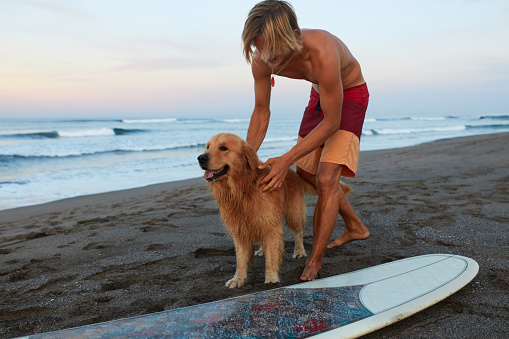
{"points": [[107, 256]]}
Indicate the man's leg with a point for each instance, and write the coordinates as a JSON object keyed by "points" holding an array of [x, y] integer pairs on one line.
{"points": [[331, 200], [354, 228]]}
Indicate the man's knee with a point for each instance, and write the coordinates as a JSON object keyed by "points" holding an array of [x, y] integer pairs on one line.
{"points": [[327, 178], [326, 182]]}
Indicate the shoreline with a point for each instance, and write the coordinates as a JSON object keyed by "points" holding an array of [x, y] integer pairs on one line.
{"points": [[112, 255]]}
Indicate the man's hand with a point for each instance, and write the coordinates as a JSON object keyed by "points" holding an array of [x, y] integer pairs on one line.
{"points": [[277, 174]]}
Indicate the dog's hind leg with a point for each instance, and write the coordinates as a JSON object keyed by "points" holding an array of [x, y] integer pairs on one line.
{"points": [[259, 251], [296, 221], [299, 251]]}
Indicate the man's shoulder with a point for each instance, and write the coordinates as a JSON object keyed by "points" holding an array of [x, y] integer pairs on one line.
{"points": [[318, 42], [318, 38], [315, 33]]}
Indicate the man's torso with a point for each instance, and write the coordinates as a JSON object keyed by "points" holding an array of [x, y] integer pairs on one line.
{"points": [[315, 42]]}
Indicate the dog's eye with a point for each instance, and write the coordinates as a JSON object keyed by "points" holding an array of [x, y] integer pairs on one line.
{"points": [[223, 148]]}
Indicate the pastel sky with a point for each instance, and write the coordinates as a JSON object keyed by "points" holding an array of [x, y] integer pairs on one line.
{"points": [[168, 58]]}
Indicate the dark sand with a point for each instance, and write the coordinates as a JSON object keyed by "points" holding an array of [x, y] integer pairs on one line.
{"points": [[101, 257]]}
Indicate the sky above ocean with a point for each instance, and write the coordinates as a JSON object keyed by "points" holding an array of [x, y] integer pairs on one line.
{"points": [[155, 58]]}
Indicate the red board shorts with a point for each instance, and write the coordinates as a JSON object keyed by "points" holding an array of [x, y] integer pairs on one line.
{"points": [[343, 147]]}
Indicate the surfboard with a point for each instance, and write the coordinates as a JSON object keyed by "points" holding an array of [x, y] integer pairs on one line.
{"points": [[344, 306]]}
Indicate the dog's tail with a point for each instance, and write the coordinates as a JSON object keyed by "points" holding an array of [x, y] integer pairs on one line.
{"points": [[347, 189], [308, 188]]}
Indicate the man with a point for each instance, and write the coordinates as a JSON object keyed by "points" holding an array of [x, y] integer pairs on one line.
{"points": [[328, 143]]}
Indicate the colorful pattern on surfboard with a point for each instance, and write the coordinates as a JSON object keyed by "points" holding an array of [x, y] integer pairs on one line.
{"points": [[279, 313], [359, 299]]}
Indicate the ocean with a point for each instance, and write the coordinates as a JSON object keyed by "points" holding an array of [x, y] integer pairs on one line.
{"points": [[43, 160]]}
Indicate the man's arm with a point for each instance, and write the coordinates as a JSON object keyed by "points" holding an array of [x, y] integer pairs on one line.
{"points": [[261, 113], [327, 71], [326, 68]]}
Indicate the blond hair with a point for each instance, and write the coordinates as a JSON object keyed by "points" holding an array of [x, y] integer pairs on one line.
{"points": [[276, 21]]}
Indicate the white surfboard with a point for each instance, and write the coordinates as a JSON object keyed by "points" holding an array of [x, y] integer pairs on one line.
{"points": [[343, 306]]}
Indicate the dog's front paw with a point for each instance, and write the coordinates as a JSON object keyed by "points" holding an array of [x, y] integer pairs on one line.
{"points": [[299, 254], [235, 283], [271, 278]]}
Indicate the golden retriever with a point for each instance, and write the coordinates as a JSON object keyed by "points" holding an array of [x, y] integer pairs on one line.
{"points": [[250, 216]]}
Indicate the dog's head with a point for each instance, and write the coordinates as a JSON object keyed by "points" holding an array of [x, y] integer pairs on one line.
{"points": [[227, 155]]}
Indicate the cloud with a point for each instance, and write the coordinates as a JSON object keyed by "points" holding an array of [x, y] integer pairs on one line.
{"points": [[165, 64]]}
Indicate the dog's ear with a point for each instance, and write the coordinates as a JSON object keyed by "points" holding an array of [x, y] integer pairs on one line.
{"points": [[250, 155]]}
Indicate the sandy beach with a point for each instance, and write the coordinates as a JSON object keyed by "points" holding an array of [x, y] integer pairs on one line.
{"points": [[108, 256]]}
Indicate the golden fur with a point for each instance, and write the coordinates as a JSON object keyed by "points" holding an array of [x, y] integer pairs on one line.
{"points": [[251, 216]]}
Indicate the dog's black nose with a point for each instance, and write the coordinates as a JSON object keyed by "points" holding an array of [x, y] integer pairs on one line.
{"points": [[203, 159]]}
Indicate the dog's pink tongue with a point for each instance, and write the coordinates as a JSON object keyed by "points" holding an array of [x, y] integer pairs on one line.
{"points": [[209, 174]]}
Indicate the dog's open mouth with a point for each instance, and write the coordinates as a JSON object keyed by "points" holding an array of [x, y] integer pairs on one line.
{"points": [[214, 175]]}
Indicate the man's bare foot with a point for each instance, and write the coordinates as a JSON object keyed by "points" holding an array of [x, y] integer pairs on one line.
{"points": [[310, 272], [349, 236]]}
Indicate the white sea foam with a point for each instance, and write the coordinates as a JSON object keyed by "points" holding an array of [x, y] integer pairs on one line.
{"points": [[234, 120], [86, 133], [427, 118], [147, 121], [392, 131], [280, 139]]}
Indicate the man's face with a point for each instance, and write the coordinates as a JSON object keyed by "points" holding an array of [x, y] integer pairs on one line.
{"points": [[273, 61]]}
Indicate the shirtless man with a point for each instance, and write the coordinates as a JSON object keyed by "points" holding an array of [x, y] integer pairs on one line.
{"points": [[329, 136]]}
